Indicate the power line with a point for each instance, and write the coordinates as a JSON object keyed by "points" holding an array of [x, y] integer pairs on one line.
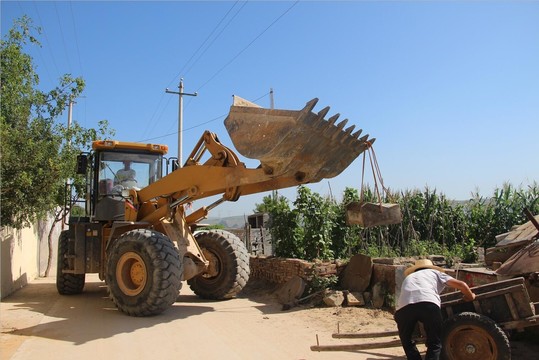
{"points": [[227, 64], [76, 37], [184, 130], [216, 37], [46, 40], [39, 48], [154, 123], [63, 38], [248, 45], [199, 125], [181, 73]]}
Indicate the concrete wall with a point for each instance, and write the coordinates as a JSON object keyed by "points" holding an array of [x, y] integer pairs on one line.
{"points": [[24, 254]]}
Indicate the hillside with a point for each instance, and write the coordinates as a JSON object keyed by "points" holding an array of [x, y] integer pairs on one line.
{"points": [[233, 222]]}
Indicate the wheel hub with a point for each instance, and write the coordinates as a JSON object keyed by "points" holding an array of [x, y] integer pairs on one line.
{"points": [[470, 349], [214, 265], [471, 343], [131, 274]]}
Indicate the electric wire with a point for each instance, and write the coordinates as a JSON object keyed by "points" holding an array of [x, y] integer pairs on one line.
{"points": [[180, 73], [215, 38], [76, 37], [198, 125], [42, 28], [63, 39], [152, 124], [246, 47], [39, 48]]}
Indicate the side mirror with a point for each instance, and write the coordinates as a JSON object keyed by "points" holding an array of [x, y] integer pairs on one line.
{"points": [[173, 163], [82, 164]]}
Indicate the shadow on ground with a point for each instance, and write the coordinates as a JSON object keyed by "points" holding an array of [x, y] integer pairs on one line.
{"points": [[83, 317]]}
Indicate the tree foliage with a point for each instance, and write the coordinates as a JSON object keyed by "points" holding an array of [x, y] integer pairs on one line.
{"points": [[38, 152], [432, 224]]}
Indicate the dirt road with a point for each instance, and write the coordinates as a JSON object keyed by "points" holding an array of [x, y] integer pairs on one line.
{"points": [[37, 323]]}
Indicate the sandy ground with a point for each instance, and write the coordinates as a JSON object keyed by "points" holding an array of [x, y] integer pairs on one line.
{"points": [[39, 323]]}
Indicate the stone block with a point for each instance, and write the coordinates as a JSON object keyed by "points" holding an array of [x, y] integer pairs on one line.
{"points": [[355, 299], [334, 298], [357, 274]]}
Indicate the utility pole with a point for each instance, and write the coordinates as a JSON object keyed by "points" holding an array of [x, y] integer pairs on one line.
{"points": [[180, 117], [70, 112], [70, 117], [69, 181], [272, 106]]}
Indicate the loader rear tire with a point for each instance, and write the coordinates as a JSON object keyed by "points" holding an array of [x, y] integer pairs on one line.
{"points": [[67, 284], [143, 272], [228, 271]]}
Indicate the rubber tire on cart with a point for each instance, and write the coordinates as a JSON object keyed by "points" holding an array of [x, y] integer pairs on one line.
{"points": [[472, 336], [67, 284], [143, 272], [228, 271]]}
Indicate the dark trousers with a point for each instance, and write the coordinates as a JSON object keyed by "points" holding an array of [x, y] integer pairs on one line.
{"points": [[430, 315]]}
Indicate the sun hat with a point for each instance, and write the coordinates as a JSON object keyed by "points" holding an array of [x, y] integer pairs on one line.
{"points": [[422, 264]]}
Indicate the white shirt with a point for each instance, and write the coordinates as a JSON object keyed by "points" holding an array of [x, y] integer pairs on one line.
{"points": [[423, 285]]}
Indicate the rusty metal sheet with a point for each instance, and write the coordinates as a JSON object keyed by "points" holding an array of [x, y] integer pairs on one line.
{"points": [[297, 143]]}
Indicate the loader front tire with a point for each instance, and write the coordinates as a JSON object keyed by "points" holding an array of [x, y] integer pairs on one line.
{"points": [[228, 271], [143, 272], [67, 284]]}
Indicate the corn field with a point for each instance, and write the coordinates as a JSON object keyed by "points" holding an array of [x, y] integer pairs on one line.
{"points": [[315, 227]]}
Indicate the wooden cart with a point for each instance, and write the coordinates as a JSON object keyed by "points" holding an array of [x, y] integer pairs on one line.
{"points": [[474, 330], [478, 329]]}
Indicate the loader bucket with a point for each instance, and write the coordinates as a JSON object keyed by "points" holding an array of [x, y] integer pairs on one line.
{"points": [[372, 214], [298, 143]]}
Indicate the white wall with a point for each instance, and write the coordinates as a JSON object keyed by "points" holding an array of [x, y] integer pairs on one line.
{"points": [[24, 254]]}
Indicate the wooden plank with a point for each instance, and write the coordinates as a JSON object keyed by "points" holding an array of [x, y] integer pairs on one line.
{"points": [[486, 295], [521, 324], [481, 289], [512, 307], [523, 304], [366, 346], [449, 311], [364, 335], [477, 307]]}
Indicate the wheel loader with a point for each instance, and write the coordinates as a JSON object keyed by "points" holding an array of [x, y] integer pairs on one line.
{"points": [[138, 228]]}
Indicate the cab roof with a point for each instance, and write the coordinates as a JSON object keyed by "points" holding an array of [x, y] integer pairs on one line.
{"points": [[125, 145]]}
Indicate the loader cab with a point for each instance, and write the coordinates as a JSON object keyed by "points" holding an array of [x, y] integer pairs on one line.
{"points": [[117, 168]]}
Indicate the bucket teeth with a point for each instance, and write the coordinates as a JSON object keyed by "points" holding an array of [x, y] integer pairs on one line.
{"points": [[322, 113], [357, 133], [363, 138], [320, 116], [350, 129], [342, 124], [310, 105], [331, 120], [292, 141]]}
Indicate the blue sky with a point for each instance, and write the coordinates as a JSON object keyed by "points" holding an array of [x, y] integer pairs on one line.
{"points": [[449, 89]]}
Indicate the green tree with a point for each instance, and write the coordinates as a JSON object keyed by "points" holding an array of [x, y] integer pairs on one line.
{"points": [[316, 215], [284, 227], [38, 152]]}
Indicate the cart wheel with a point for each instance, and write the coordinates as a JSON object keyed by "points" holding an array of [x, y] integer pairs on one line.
{"points": [[472, 336]]}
